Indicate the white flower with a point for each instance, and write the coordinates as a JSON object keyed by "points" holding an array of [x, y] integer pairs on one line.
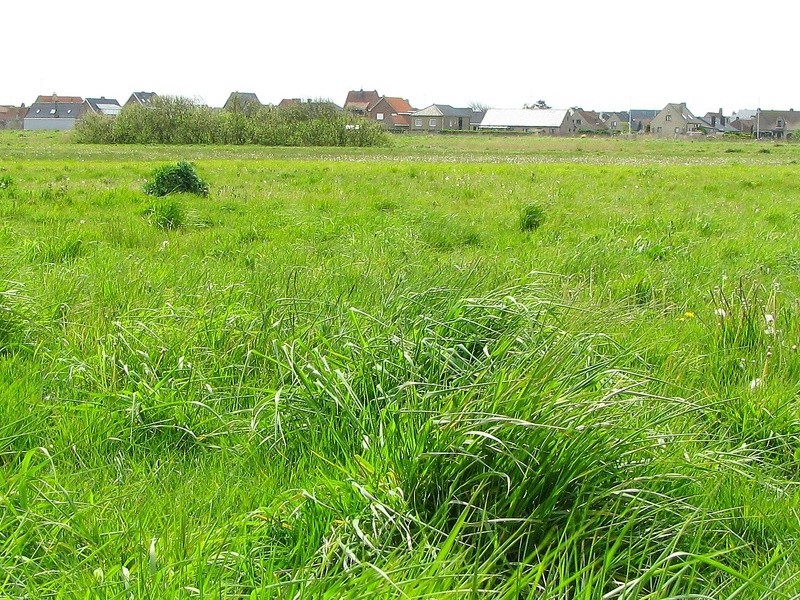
{"points": [[756, 383], [769, 318], [720, 312]]}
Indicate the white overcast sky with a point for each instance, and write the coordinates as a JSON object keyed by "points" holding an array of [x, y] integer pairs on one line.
{"points": [[608, 55]]}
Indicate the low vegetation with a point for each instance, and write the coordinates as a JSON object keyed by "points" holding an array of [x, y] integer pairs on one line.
{"points": [[182, 121], [360, 374]]}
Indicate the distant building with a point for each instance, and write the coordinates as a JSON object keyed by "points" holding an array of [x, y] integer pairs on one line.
{"points": [[543, 121], [776, 124], [245, 102], [13, 117], [441, 117], [585, 121], [55, 113], [359, 101], [675, 120], [141, 99], [104, 106], [391, 112]]}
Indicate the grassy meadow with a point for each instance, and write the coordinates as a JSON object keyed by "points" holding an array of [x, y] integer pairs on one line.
{"points": [[351, 373]]}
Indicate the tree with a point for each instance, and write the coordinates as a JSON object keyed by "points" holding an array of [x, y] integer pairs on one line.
{"points": [[538, 105], [479, 106]]}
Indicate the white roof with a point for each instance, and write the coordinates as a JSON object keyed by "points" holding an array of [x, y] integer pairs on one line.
{"points": [[523, 117]]}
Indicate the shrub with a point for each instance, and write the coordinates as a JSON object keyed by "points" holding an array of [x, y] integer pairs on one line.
{"points": [[166, 214], [171, 179], [532, 217], [173, 120]]}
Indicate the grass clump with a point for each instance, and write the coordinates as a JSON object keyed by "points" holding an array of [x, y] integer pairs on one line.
{"points": [[6, 183], [171, 179], [532, 217], [167, 214]]}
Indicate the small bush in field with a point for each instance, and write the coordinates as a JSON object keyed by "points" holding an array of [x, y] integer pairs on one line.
{"points": [[532, 217], [171, 179], [167, 214]]}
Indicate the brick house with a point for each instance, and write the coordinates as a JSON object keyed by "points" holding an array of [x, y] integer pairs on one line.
{"points": [[360, 101], [13, 117], [391, 112], [55, 113], [441, 117], [675, 120]]}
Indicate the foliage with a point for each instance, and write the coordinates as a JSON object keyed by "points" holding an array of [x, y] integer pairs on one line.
{"points": [[166, 214], [182, 121], [172, 179], [532, 217]]}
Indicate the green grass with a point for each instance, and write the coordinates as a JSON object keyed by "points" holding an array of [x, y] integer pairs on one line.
{"points": [[351, 373]]}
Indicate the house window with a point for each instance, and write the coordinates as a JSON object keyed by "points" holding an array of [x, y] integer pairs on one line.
{"points": [[52, 111], [613, 123], [780, 122], [432, 123], [578, 122], [658, 130], [417, 122], [669, 117], [677, 130], [379, 116]]}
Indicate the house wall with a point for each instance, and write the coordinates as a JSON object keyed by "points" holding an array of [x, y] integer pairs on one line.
{"points": [[381, 108], [17, 121], [668, 123], [59, 124]]}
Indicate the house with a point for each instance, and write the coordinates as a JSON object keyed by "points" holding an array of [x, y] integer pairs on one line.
{"points": [[716, 123], [391, 112], [776, 124], [641, 118], [617, 122], [585, 121], [289, 102], [12, 117], [142, 99], [675, 120], [440, 117], [244, 102], [104, 106], [55, 113], [359, 101], [546, 121]]}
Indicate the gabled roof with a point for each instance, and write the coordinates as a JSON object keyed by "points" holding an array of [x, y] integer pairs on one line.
{"points": [[361, 97], [399, 105], [54, 110], [57, 98], [242, 99], [104, 106], [13, 113], [768, 119], [684, 112], [444, 110], [144, 98], [499, 118]]}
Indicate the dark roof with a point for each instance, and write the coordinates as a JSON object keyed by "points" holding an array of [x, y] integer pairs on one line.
{"points": [[104, 105], [768, 120], [240, 99], [145, 98], [53, 110]]}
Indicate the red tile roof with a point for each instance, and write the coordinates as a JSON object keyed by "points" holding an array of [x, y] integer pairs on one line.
{"points": [[399, 105], [56, 98]]}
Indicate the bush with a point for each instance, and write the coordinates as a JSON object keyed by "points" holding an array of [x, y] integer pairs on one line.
{"points": [[182, 121], [6, 183], [532, 217], [171, 179]]}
